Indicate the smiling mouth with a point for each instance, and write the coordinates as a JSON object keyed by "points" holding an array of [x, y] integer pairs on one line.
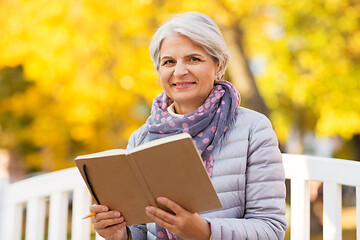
{"points": [[180, 85]]}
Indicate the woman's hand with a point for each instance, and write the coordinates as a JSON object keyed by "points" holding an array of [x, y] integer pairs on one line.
{"points": [[108, 224], [183, 224]]}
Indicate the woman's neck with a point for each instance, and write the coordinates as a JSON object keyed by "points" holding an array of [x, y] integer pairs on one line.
{"points": [[183, 109], [171, 111]]}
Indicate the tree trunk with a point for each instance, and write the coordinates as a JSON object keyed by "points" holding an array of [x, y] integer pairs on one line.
{"points": [[16, 166], [240, 74], [356, 139]]}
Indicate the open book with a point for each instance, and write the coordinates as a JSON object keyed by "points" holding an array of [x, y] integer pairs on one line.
{"points": [[128, 181]]}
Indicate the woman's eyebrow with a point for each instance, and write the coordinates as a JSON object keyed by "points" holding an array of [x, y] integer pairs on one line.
{"points": [[165, 57], [195, 55], [187, 56]]}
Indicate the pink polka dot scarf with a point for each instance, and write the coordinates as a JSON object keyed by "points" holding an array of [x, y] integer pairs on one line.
{"points": [[206, 125]]}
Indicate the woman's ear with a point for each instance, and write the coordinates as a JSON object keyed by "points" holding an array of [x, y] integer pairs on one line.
{"points": [[219, 75]]}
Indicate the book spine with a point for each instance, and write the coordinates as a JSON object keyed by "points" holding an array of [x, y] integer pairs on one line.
{"points": [[141, 180]]}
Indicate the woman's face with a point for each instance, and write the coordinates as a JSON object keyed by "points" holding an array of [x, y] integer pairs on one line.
{"points": [[187, 72]]}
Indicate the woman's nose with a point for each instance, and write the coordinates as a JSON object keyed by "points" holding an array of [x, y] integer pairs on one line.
{"points": [[180, 69]]}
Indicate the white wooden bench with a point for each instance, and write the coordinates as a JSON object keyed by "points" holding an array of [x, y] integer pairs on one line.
{"points": [[52, 194], [333, 173]]}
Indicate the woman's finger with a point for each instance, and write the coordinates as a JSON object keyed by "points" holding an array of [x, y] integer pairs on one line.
{"points": [[106, 215], [110, 230], [166, 216], [106, 223], [161, 217], [98, 208], [176, 208]]}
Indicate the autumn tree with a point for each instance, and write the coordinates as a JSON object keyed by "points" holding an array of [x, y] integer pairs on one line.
{"points": [[76, 77]]}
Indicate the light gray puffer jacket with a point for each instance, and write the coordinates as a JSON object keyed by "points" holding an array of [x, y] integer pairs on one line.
{"points": [[248, 177]]}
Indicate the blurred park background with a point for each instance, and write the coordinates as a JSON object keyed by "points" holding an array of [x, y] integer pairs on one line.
{"points": [[76, 76]]}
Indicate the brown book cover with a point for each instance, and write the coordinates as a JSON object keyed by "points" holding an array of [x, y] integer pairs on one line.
{"points": [[128, 181]]}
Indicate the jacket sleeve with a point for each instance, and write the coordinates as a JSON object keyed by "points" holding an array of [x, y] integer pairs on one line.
{"points": [[137, 232], [265, 207]]}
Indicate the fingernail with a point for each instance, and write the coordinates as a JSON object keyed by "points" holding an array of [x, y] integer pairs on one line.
{"points": [[117, 214], [161, 199], [148, 209], [104, 209]]}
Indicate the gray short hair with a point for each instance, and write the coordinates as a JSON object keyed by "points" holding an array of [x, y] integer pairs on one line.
{"points": [[199, 28]]}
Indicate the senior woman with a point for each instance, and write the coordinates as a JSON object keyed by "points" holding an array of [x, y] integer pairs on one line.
{"points": [[238, 146]]}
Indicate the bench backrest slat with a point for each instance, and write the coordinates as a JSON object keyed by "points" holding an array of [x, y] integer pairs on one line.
{"points": [[334, 173]]}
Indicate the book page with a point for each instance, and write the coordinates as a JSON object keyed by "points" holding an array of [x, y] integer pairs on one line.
{"points": [[111, 152], [159, 142]]}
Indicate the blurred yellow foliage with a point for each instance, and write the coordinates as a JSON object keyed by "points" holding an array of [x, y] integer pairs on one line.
{"points": [[93, 81]]}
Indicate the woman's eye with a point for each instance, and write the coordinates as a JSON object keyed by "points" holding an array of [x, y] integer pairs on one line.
{"points": [[167, 62], [195, 59]]}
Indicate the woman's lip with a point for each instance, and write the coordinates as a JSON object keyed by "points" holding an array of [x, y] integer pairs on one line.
{"points": [[181, 85]]}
